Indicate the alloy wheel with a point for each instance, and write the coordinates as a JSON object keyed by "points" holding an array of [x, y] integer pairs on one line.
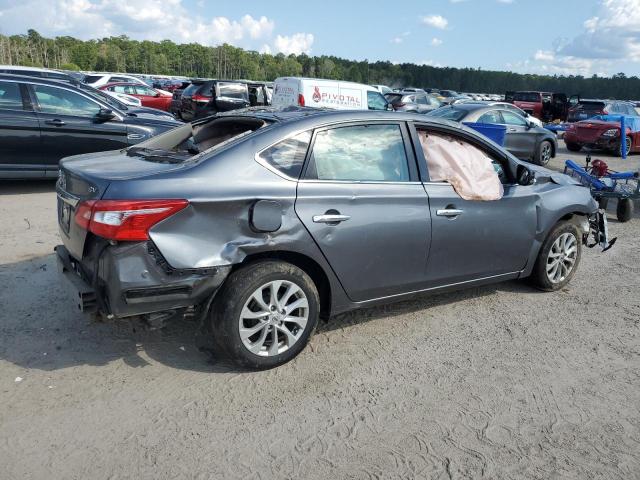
{"points": [[562, 257], [273, 318], [546, 153]]}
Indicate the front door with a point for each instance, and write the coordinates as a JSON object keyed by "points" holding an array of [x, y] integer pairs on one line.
{"points": [[361, 201], [518, 139], [68, 125], [474, 239]]}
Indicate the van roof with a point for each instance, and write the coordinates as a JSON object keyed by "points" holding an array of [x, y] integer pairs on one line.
{"points": [[324, 80]]}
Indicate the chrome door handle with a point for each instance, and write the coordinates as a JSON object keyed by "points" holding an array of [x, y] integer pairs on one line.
{"points": [[449, 212], [330, 218], [57, 122], [513, 129]]}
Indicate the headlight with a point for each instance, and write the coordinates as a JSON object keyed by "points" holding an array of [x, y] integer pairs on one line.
{"points": [[612, 132]]}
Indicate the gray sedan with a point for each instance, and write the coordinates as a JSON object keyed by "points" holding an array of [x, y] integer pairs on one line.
{"points": [[523, 138], [261, 222]]}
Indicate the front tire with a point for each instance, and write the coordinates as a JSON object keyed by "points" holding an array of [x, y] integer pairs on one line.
{"points": [[265, 314], [573, 147], [558, 258], [544, 153]]}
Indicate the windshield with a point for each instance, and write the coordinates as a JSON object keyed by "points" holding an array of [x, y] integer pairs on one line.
{"points": [[526, 97], [450, 113]]}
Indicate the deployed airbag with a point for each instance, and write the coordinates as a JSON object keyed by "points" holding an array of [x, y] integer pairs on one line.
{"points": [[467, 168]]}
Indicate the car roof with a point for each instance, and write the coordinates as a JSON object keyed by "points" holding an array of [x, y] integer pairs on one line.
{"points": [[43, 80]]}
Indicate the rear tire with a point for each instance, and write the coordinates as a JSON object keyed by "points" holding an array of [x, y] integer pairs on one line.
{"points": [[624, 209], [264, 314], [558, 258], [573, 147]]}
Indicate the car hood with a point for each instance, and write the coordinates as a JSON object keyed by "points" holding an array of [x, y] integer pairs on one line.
{"points": [[148, 112], [546, 175]]}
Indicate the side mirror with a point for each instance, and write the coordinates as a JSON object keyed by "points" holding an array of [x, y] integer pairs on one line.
{"points": [[525, 176], [389, 107], [104, 115], [157, 95]]}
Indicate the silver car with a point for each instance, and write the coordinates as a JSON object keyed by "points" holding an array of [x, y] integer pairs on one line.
{"points": [[261, 222]]}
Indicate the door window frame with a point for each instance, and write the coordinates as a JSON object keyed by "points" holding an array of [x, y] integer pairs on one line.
{"points": [[406, 139]]}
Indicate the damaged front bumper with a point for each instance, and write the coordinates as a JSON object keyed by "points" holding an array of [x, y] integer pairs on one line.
{"points": [[126, 280], [596, 231]]}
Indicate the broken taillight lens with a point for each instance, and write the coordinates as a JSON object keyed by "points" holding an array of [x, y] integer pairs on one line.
{"points": [[127, 220]]}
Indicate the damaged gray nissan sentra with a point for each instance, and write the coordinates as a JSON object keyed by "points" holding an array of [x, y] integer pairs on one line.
{"points": [[261, 222]]}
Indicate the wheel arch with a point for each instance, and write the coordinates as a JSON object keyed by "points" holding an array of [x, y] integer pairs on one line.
{"points": [[306, 264]]}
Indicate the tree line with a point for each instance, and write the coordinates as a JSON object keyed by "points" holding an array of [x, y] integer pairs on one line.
{"points": [[122, 54]]}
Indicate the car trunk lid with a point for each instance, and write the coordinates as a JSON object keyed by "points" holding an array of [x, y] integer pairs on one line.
{"points": [[589, 132]]}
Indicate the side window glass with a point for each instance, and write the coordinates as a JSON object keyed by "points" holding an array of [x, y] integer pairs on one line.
{"points": [[360, 153], [376, 101], [118, 89], [422, 99], [64, 102], [10, 96], [491, 117], [511, 118], [288, 155]]}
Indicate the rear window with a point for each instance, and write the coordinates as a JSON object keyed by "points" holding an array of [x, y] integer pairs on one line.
{"points": [[288, 155], [237, 91], [449, 113], [526, 97], [92, 78], [590, 106], [10, 97], [191, 89]]}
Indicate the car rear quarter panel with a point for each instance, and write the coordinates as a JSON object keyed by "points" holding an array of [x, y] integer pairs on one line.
{"points": [[216, 229]]}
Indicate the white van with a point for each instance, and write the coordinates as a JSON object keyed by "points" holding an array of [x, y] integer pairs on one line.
{"points": [[319, 93]]}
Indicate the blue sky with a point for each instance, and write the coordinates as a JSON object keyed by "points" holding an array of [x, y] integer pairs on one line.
{"points": [[537, 36]]}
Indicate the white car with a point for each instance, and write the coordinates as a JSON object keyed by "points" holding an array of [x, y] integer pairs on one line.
{"points": [[519, 111], [320, 93], [99, 79], [383, 89], [124, 98]]}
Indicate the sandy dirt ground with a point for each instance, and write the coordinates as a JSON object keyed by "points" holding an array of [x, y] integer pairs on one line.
{"points": [[499, 382]]}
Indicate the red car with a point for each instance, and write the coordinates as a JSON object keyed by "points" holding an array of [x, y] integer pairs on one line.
{"points": [[601, 135], [150, 97]]}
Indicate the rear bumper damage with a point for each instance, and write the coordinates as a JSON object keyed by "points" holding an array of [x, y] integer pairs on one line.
{"points": [[127, 280]]}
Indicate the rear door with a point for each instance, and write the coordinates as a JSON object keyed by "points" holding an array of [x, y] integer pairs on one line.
{"points": [[68, 124], [19, 129], [473, 239], [361, 201], [149, 97]]}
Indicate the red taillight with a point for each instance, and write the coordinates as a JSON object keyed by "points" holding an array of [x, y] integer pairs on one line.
{"points": [[128, 220], [200, 98], [301, 100]]}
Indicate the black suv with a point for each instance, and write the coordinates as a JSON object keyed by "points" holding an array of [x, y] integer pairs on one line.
{"points": [[42, 121], [207, 97], [586, 108]]}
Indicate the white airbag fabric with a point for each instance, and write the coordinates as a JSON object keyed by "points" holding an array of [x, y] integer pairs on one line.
{"points": [[467, 168]]}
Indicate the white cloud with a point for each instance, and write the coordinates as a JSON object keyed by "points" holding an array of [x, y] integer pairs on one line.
{"points": [[297, 43], [507, 2], [435, 21], [142, 20], [436, 42], [544, 56], [397, 40]]}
